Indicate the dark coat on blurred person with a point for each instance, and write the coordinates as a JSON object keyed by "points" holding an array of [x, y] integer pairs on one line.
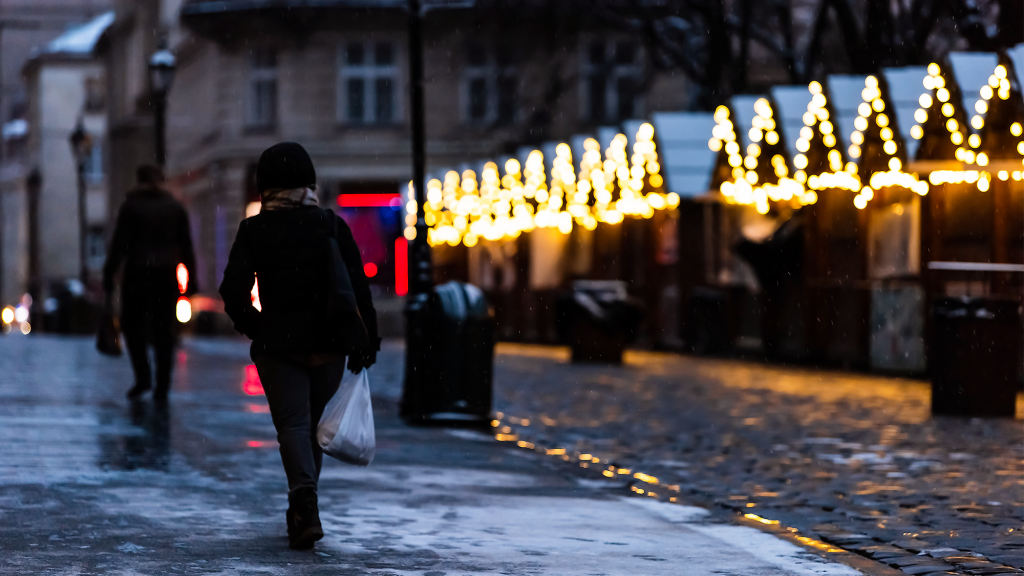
{"points": [[151, 237]]}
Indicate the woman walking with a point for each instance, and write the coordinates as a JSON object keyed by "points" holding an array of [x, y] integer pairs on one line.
{"points": [[299, 354]]}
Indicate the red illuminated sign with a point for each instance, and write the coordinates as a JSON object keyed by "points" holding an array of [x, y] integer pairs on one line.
{"points": [[369, 200], [401, 266]]}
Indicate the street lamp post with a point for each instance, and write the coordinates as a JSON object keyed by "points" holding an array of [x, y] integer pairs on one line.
{"points": [[161, 75], [81, 148]]}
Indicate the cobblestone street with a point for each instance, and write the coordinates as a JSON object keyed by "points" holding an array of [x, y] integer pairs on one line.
{"points": [[93, 484], [855, 460]]}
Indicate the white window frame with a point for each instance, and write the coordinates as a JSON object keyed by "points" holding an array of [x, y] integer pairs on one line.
{"points": [[490, 73], [615, 72], [370, 73], [263, 75]]}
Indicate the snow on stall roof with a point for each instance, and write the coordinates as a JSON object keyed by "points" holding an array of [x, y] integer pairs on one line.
{"points": [[81, 39], [605, 135], [905, 88], [971, 70], [743, 115], [1016, 55], [790, 105], [844, 92], [686, 160]]}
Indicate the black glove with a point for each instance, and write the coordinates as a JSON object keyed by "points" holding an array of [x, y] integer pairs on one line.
{"points": [[360, 359]]}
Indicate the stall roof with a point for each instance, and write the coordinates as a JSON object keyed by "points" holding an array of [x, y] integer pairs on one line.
{"points": [[971, 70], [81, 40], [743, 116], [791, 104], [686, 160], [844, 94], [905, 89], [605, 135]]}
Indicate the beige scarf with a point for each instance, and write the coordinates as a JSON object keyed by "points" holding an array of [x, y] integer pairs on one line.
{"points": [[288, 198]]}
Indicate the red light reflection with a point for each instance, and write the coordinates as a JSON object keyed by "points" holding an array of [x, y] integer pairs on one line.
{"points": [[258, 443], [370, 269], [251, 385], [181, 272], [401, 266]]}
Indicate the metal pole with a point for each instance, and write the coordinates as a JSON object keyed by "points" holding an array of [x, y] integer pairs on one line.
{"points": [[83, 272], [421, 272], [160, 113]]}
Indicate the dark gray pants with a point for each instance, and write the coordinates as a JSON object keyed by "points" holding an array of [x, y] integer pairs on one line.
{"points": [[297, 394]]}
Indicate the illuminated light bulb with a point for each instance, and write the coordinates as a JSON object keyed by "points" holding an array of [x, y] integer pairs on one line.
{"points": [[854, 151], [800, 176], [947, 110], [959, 154], [751, 177], [653, 167], [877, 105], [861, 123], [732, 148], [983, 184], [864, 109], [1000, 71], [750, 162], [814, 87], [886, 133], [956, 138], [895, 164], [7, 316], [928, 82], [1003, 175], [889, 147], [753, 150], [968, 156], [943, 95], [1004, 94], [860, 202], [772, 137], [933, 69], [940, 82], [952, 125], [645, 133], [871, 82], [993, 81], [867, 193], [656, 180], [809, 118], [974, 140], [882, 120], [981, 106], [715, 144], [825, 127], [925, 101], [803, 145], [737, 173], [721, 113], [754, 134], [982, 159], [800, 161], [1016, 129], [1016, 175], [851, 167], [921, 116], [916, 132], [829, 140], [986, 92], [857, 137], [1020, 148], [636, 172], [977, 122]]}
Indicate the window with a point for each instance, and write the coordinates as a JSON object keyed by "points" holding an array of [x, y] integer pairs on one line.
{"points": [[368, 83], [263, 88], [490, 85], [611, 81]]}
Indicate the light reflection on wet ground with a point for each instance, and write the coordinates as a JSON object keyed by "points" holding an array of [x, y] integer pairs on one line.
{"points": [[836, 451]]}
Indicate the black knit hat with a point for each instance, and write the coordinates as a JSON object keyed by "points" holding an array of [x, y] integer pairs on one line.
{"points": [[285, 165]]}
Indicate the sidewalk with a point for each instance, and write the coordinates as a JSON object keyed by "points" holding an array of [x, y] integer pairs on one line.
{"points": [[92, 485]]}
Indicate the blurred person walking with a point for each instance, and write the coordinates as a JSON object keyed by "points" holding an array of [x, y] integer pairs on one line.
{"points": [[151, 237], [297, 346]]}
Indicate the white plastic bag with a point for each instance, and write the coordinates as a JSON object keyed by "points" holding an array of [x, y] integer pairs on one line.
{"points": [[345, 430]]}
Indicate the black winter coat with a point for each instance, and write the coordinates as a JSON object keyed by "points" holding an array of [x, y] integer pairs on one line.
{"points": [[151, 237], [286, 250]]}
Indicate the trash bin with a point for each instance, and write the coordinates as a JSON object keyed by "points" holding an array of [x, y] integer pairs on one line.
{"points": [[974, 356], [449, 357], [598, 318]]}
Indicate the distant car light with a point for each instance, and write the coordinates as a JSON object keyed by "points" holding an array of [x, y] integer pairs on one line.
{"points": [[183, 310], [7, 316], [21, 314], [181, 272], [370, 269]]}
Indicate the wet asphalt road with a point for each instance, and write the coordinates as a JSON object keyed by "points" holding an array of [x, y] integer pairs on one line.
{"points": [[852, 459], [93, 484]]}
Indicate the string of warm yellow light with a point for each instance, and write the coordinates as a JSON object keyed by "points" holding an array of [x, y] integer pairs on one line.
{"points": [[873, 107], [817, 124], [463, 210]]}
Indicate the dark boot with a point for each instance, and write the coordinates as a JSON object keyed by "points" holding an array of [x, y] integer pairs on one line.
{"points": [[303, 519], [138, 390]]}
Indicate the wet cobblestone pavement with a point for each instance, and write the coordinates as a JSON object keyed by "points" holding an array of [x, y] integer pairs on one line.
{"points": [[854, 460], [93, 484]]}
